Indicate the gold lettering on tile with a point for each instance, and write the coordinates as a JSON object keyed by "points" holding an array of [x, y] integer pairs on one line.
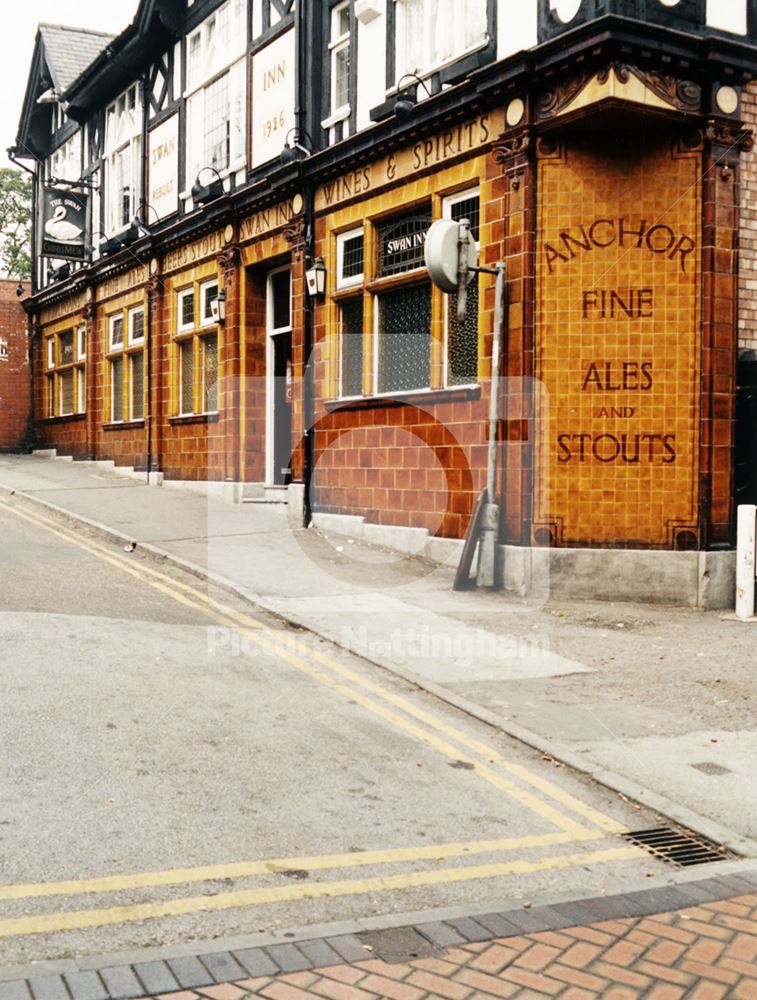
{"points": [[618, 344]]}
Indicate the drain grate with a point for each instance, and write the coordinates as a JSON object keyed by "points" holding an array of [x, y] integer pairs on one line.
{"points": [[710, 767], [677, 847]]}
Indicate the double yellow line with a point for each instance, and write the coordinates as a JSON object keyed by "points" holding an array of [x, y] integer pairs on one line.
{"points": [[514, 780]]}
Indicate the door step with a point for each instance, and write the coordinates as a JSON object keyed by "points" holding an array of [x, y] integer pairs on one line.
{"points": [[271, 494]]}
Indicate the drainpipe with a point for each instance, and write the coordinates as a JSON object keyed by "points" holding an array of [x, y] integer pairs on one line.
{"points": [[300, 36], [487, 557], [307, 348], [142, 216]]}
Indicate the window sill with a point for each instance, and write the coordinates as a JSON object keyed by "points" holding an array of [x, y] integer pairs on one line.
{"points": [[194, 418], [123, 425], [341, 115], [415, 396], [64, 418]]}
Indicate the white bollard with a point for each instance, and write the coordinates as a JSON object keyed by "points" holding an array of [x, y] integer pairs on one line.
{"points": [[746, 563]]}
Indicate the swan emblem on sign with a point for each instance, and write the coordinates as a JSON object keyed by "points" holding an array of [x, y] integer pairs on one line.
{"points": [[59, 228]]}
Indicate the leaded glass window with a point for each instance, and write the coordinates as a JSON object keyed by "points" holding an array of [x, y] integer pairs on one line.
{"points": [[66, 385], [462, 338], [186, 309], [186, 376], [67, 348], [340, 56], [210, 374], [404, 339], [137, 385], [351, 346], [401, 243], [117, 389], [350, 258], [217, 123]]}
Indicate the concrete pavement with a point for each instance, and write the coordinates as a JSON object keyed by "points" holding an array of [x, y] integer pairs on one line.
{"points": [[654, 702]]}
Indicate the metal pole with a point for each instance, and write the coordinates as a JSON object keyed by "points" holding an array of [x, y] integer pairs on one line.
{"points": [[487, 552], [746, 559]]}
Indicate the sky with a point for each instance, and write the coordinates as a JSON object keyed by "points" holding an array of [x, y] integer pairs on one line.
{"points": [[20, 20]]}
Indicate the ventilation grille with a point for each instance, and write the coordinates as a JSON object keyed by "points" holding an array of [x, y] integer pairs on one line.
{"points": [[677, 847]]}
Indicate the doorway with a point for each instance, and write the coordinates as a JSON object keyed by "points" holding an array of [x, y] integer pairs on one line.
{"points": [[279, 380]]}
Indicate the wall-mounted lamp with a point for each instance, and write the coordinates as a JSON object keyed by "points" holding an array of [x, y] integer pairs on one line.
{"points": [[140, 227], [115, 243], [218, 307], [202, 193], [406, 101], [20, 290], [59, 273], [316, 279], [295, 150]]}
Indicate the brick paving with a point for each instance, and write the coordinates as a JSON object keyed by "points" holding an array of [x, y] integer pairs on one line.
{"points": [[706, 952], [695, 940]]}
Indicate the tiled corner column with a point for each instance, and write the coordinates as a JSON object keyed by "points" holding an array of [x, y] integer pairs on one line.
{"points": [[229, 362], [93, 373], [157, 385], [748, 227], [295, 234], [514, 151], [724, 142]]}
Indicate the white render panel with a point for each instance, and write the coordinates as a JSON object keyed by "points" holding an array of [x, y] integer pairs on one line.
{"points": [[517, 26], [728, 15], [273, 97], [371, 75]]}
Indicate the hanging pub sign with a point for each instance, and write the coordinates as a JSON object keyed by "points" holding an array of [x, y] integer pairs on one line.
{"points": [[64, 224]]}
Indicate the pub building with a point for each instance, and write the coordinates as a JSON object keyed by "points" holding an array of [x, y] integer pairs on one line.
{"points": [[231, 203]]}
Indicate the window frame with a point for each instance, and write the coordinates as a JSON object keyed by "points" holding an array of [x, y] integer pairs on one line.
{"points": [[206, 88], [184, 293], [113, 319], [335, 46], [123, 143], [345, 300], [57, 370], [193, 337], [372, 288], [396, 71], [205, 287], [352, 281], [131, 313], [122, 354]]}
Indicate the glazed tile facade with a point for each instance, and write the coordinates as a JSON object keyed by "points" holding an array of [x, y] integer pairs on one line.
{"points": [[616, 187]]}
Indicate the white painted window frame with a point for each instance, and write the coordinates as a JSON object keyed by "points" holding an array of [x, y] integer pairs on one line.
{"points": [[112, 323], [338, 43], [342, 238], [180, 326], [134, 311], [206, 315], [271, 332]]}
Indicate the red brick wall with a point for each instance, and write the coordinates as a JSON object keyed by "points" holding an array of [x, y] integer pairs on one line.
{"points": [[414, 466], [15, 373], [748, 240]]}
